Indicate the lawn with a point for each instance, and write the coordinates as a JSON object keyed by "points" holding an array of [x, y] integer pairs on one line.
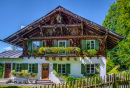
{"points": [[6, 86]]}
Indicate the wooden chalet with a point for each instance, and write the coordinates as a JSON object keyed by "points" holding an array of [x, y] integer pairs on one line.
{"points": [[71, 30]]}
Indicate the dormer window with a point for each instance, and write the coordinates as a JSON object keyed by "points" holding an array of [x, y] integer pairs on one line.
{"points": [[35, 45]]}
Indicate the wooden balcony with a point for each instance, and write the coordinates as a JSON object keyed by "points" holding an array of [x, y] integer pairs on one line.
{"points": [[50, 52]]}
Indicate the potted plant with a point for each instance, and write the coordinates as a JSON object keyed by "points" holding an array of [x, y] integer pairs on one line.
{"points": [[90, 52]]}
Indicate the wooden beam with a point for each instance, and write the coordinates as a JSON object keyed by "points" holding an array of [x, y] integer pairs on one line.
{"points": [[67, 37], [61, 25], [41, 29], [29, 31]]}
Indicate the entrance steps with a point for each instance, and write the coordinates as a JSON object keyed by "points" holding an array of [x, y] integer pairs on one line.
{"points": [[44, 82]]}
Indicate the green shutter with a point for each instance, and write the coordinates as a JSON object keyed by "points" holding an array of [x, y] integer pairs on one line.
{"points": [[67, 43], [82, 68], [83, 44], [96, 44], [55, 43], [41, 43], [54, 68], [30, 46], [97, 68], [24, 66], [68, 69], [13, 66], [36, 68]]}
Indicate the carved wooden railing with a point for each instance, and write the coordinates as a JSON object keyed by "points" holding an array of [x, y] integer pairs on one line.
{"points": [[73, 52]]}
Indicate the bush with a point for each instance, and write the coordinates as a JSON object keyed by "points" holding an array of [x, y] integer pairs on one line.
{"points": [[61, 75], [79, 79], [90, 52], [109, 65], [70, 79]]}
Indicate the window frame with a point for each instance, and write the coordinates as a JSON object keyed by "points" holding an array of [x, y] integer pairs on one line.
{"points": [[36, 45], [61, 41], [90, 69], [65, 45], [90, 43], [61, 68], [18, 70], [31, 68]]}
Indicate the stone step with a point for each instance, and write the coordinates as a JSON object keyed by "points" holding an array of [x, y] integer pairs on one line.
{"points": [[44, 82]]}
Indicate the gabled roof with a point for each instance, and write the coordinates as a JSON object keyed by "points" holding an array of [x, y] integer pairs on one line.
{"points": [[16, 38], [11, 54]]}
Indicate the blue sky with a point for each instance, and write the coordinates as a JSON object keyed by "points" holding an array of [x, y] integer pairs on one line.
{"points": [[17, 13]]}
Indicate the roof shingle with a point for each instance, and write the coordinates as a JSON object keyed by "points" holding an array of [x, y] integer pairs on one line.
{"points": [[11, 54]]}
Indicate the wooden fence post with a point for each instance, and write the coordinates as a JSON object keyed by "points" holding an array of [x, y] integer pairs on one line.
{"points": [[115, 84]]}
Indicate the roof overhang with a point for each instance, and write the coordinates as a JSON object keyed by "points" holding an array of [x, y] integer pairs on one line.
{"points": [[18, 37]]}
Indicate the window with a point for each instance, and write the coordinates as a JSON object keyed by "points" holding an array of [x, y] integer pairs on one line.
{"points": [[90, 68], [61, 43], [18, 67], [36, 45], [61, 68], [90, 44], [32, 68]]}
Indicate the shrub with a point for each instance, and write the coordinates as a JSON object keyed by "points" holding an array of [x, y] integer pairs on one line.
{"points": [[79, 79], [90, 52], [13, 73], [1, 70], [70, 79], [33, 74], [78, 49], [61, 75]]}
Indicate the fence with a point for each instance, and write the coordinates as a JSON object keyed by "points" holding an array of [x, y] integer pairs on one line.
{"points": [[109, 81]]}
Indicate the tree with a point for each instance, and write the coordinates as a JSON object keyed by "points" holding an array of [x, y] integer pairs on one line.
{"points": [[118, 20], [14, 47]]}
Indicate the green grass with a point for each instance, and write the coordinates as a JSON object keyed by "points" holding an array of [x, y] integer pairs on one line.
{"points": [[6, 86]]}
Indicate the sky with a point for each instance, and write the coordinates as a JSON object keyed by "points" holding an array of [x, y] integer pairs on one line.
{"points": [[15, 14]]}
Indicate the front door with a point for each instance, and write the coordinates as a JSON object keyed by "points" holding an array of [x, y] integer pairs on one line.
{"points": [[45, 71], [7, 70]]}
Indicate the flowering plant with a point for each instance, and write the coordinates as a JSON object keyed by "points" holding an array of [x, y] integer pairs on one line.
{"points": [[61, 75], [90, 75], [90, 52], [51, 50], [22, 74]]}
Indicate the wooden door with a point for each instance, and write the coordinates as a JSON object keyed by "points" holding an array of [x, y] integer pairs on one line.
{"points": [[7, 70], [45, 71]]}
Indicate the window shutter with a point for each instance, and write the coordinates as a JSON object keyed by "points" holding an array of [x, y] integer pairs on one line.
{"points": [[96, 44], [23, 66], [83, 44], [67, 43], [97, 68], [36, 68], [41, 43], [30, 46], [54, 68], [68, 68], [55, 43], [82, 68], [13, 66]]}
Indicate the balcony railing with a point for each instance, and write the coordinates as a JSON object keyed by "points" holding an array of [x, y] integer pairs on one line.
{"points": [[55, 51]]}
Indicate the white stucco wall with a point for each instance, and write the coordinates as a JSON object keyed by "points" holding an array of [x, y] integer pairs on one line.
{"points": [[75, 65]]}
